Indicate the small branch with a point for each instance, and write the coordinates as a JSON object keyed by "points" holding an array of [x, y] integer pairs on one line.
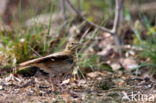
{"points": [[74, 9], [113, 31], [118, 8], [91, 23], [35, 51], [62, 6]]}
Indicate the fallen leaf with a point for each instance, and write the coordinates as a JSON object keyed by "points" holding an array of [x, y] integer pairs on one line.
{"points": [[65, 82], [129, 63], [115, 66], [1, 87], [97, 74]]}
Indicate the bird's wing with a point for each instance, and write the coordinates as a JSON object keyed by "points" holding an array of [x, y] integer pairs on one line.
{"points": [[52, 57]]}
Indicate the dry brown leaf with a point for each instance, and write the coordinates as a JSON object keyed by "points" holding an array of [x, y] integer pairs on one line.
{"points": [[97, 74], [115, 66], [129, 63]]}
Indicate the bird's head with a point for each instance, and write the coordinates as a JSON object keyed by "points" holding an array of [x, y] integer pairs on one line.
{"points": [[72, 46]]}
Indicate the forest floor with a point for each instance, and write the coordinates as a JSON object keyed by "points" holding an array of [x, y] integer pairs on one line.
{"points": [[96, 87]]}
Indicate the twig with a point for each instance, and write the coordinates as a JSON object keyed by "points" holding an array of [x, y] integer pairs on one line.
{"points": [[84, 34], [113, 31], [35, 51], [91, 23], [62, 6], [118, 7]]}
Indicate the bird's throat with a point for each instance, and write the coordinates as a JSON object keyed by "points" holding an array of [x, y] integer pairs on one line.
{"points": [[70, 52]]}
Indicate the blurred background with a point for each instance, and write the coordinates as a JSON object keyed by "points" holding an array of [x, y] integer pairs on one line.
{"points": [[33, 26], [109, 65]]}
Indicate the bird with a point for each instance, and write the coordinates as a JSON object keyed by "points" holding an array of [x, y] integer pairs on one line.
{"points": [[56, 63]]}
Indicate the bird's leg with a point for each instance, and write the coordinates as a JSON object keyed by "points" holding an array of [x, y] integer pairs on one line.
{"points": [[51, 82], [75, 73], [78, 74], [66, 76]]}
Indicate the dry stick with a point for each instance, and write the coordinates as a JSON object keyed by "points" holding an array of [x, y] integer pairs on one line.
{"points": [[62, 6], [91, 23], [118, 9], [117, 15], [35, 51], [113, 31]]}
